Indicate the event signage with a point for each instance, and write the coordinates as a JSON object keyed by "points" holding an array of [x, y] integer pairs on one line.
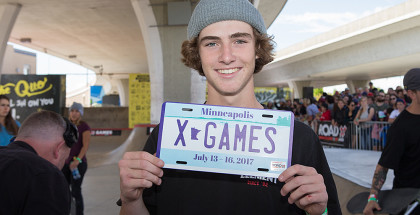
{"points": [[330, 133], [229, 140], [31, 93]]}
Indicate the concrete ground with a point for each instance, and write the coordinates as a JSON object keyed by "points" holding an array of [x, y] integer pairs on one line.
{"points": [[101, 184], [101, 190]]}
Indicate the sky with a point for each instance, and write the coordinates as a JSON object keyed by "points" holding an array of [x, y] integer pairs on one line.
{"points": [[298, 21]]}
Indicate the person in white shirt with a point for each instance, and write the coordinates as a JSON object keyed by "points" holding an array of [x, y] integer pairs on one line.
{"points": [[400, 107]]}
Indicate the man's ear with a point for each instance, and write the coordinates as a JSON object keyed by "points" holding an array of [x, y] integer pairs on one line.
{"points": [[58, 148]]}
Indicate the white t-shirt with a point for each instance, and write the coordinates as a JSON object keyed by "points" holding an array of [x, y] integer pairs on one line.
{"points": [[394, 114]]}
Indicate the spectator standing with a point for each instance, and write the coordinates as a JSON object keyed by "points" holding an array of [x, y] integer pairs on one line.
{"points": [[370, 98], [402, 94], [340, 114], [392, 101], [270, 105], [330, 101], [394, 114], [325, 113], [351, 114], [380, 106], [387, 99], [402, 149], [311, 110], [31, 181], [9, 127], [371, 89], [77, 159], [300, 112], [364, 115], [352, 111]]}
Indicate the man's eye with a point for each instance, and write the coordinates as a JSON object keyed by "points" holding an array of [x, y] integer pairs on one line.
{"points": [[240, 41], [210, 44]]}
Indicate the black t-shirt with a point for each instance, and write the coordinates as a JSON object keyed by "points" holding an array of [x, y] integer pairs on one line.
{"points": [[190, 192], [30, 184], [402, 150], [340, 116]]}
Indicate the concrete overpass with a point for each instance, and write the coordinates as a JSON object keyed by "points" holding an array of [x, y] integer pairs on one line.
{"points": [[381, 45], [115, 39]]}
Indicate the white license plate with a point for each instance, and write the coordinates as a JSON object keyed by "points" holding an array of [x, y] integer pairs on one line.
{"points": [[229, 140]]}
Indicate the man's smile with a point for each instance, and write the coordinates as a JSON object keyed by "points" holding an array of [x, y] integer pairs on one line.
{"points": [[228, 71]]}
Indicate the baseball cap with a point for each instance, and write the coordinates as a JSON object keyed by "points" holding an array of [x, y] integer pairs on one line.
{"points": [[412, 79]]}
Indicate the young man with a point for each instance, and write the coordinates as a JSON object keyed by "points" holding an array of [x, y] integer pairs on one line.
{"points": [[31, 181], [379, 105], [228, 44], [402, 149]]}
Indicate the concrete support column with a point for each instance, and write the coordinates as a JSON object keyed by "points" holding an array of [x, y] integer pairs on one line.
{"points": [[198, 88], [8, 15], [122, 86], [297, 87], [152, 42], [354, 84]]}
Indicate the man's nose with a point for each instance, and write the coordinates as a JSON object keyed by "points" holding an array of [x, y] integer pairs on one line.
{"points": [[227, 56]]}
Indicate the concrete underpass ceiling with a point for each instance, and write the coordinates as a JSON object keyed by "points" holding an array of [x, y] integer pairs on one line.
{"points": [[381, 45], [104, 35]]}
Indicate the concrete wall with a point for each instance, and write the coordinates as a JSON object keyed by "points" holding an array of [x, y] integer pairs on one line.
{"points": [[105, 117]]}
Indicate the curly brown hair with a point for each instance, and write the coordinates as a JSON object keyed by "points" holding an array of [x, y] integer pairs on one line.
{"points": [[264, 46]]}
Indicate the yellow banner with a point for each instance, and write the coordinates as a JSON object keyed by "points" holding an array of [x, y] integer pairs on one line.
{"points": [[139, 99]]}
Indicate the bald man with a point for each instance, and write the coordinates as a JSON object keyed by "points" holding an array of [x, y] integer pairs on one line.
{"points": [[31, 181]]}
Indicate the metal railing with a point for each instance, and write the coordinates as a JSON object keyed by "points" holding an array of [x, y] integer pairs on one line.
{"points": [[365, 136], [369, 135]]}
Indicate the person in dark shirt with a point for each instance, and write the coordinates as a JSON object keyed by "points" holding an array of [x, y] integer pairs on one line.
{"points": [[339, 116], [77, 159], [30, 178], [228, 44], [402, 149]]}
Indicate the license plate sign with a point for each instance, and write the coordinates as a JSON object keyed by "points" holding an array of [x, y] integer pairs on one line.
{"points": [[229, 140]]}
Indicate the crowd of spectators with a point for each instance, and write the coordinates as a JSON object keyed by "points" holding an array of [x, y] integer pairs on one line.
{"points": [[345, 107], [371, 110]]}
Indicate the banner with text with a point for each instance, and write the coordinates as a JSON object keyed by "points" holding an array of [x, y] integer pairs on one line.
{"points": [[139, 99], [31, 93], [333, 134]]}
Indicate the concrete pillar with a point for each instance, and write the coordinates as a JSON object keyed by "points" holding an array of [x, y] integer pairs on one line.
{"points": [[297, 87], [354, 84], [8, 15], [122, 86], [152, 42], [198, 88]]}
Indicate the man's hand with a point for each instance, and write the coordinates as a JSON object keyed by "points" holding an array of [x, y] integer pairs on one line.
{"points": [[138, 170], [371, 205], [306, 187]]}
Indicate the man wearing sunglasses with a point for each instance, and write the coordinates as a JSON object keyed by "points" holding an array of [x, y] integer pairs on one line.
{"points": [[31, 181]]}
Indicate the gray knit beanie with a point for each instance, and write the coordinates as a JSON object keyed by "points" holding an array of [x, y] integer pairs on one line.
{"points": [[210, 11], [77, 106]]}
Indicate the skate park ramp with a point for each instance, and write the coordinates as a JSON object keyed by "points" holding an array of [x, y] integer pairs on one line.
{"points": [[109, 150], [353, 172]]}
